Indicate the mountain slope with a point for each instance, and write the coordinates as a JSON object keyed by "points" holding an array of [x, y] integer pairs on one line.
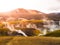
{"points": [[54, 16], [24, 13]]}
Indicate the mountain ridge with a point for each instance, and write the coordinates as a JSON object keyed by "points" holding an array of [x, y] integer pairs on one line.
{"points": [[24, 13]]}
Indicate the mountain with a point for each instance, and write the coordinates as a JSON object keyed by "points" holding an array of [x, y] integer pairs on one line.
{"points": [[29, 14], [54, 16], [24, 13]]}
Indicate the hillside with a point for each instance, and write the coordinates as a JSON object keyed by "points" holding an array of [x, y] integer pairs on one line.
{"points": [[54, 16], [24, 13], [54, 34]]}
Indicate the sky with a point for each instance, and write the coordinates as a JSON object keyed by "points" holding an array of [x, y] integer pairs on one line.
{"points": [[46, 6]]}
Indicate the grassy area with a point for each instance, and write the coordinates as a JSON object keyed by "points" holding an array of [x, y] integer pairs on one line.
{"points": [[55, 33], [17, 40]]}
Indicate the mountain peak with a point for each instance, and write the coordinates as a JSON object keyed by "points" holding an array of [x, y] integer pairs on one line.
{"points": [[26, 11]]}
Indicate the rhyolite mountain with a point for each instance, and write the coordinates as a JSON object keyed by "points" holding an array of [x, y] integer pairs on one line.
{"points": [[24, 13], [29, 14]]}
